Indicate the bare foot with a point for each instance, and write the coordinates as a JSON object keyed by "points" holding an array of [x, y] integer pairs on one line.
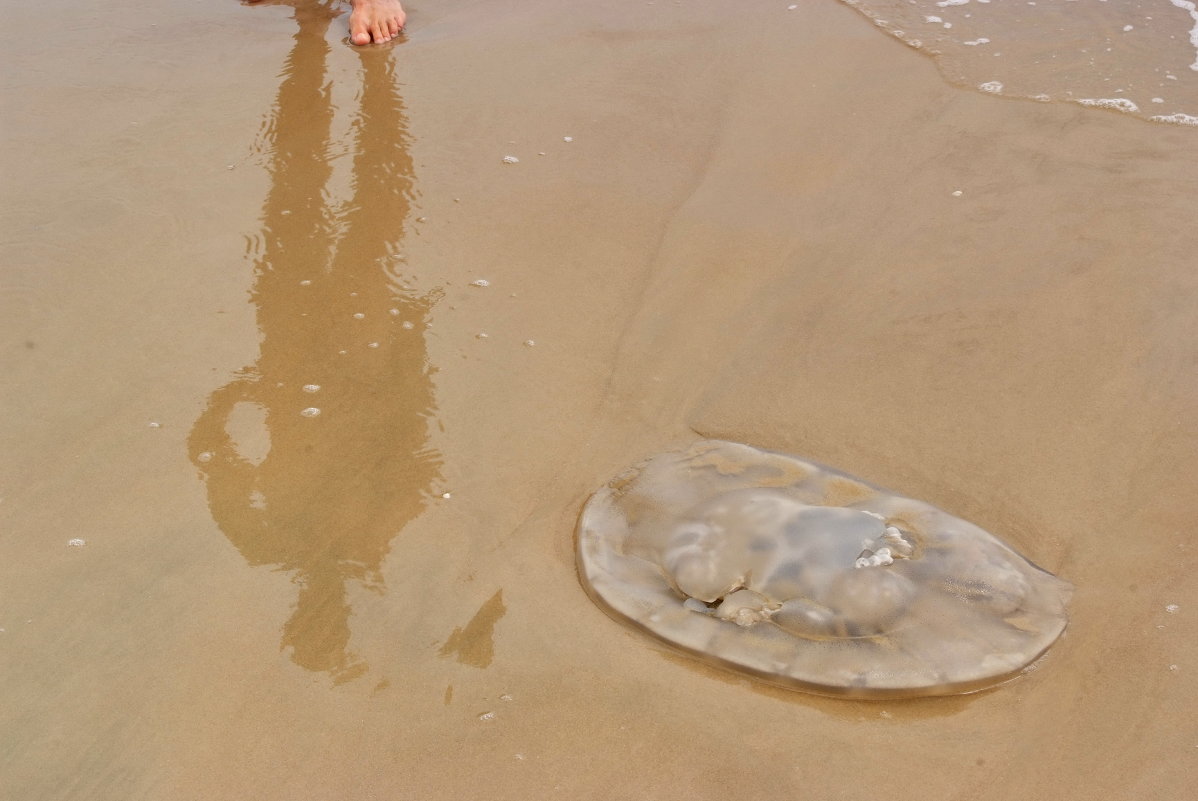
{"points": [[375, 21]]}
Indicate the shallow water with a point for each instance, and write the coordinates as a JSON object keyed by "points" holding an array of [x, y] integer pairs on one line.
{"points": [[776, 226], [1138, 57]]}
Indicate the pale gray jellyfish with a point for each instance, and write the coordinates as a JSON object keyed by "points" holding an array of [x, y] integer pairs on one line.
{"points": [[806, 577]]}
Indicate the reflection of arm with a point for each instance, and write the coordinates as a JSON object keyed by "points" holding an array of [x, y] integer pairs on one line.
{"points": [[209, 436], [231, 479]]}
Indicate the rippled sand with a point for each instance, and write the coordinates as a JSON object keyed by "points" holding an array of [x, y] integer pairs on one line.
{"points": [[776, 226]]}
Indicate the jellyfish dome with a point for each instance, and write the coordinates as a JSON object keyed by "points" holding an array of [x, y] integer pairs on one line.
{"points": [[805, 577]]}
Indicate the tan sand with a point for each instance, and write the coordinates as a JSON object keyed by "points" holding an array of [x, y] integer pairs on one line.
{"points": [[753, 235]]}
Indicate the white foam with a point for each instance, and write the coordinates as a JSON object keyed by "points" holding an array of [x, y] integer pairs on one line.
{"points": [[993, 87], [1115, 103], [1190, 7], [1176, 119], [978, 41]]}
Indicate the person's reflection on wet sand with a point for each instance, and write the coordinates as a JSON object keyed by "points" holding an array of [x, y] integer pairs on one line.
{"points": [[342, 386]]}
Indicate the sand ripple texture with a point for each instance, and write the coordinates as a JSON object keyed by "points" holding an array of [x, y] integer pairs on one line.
{"points": [[806, 577]]}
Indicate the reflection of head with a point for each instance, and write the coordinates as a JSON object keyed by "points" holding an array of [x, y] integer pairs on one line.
{"points": [[326, 495]]}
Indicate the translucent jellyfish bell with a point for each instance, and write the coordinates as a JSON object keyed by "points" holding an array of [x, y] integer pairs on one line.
{"points": [[805, 577]]}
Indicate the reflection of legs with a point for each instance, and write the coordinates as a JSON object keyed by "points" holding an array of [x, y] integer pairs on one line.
{"points": [[375, 20], [382, 172], [318, 631]]}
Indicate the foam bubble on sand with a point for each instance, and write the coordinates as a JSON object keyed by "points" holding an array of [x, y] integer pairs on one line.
{"points": [[1176, 119], [1116, 103], [993, 87]]}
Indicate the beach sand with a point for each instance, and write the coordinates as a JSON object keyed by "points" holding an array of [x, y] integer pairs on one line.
{"points": [[777, 226]]}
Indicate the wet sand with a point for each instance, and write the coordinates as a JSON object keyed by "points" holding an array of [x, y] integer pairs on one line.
{"points": [[752, 235]]}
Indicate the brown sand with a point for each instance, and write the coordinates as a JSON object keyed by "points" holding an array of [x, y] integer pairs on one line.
{"points": [[752, 236]]}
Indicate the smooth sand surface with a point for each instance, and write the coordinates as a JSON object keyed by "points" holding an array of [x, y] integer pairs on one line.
{"points": [[753, 235]]}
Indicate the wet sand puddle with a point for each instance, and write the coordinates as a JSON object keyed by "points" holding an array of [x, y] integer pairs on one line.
{"points": [[336, 406]]}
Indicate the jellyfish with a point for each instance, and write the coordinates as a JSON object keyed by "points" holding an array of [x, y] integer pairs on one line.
{"points": [[805, 577]]}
